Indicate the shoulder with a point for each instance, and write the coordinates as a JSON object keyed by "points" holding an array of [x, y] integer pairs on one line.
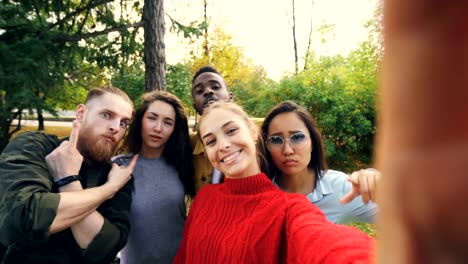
{"points": [[334, 175], [336, 180], [209, 189], [38, 137], [206, 195], [299, 206], [32, 141]]}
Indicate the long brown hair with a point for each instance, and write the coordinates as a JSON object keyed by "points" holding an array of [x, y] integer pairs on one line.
{"points": [[178, 150]]}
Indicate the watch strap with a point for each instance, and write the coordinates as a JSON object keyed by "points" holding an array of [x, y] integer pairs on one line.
{"points": [[66, 180]]}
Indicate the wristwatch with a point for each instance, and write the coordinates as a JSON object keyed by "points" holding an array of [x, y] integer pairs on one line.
{"points": [[67, 180]]}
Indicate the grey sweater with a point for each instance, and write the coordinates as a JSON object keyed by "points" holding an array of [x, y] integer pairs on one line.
{"points": [[157, 213]]}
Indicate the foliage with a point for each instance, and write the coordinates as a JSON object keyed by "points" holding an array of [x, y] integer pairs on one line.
{"points": [[131, 80], [243, 78], [339, 92], [192, 31], [49, 48], [179, 82]]}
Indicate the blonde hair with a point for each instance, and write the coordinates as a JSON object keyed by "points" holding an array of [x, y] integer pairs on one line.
{"points": [[238, 110]]}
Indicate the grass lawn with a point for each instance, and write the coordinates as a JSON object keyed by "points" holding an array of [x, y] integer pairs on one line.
{"points": [[59, 131], [366, 228]]}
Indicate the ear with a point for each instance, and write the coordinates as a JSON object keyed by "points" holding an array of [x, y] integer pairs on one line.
{"points": [[80, 112], [231, 97], [254, 133]]}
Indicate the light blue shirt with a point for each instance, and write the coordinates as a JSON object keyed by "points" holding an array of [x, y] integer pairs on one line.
{"points": [[331, 187]]}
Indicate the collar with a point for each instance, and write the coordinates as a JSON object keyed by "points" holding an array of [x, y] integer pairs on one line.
{"points": [[322, 189], [251, 185]]}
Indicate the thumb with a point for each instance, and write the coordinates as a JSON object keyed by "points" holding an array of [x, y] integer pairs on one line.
{"points": [[114, 166]]}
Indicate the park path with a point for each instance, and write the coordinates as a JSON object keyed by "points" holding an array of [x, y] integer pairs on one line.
{"points": [[46, 123]]}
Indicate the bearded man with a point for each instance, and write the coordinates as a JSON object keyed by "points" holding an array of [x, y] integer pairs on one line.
{"points": [[60, 200]]}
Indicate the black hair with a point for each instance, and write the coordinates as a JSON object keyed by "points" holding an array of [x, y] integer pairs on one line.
{"points": [[204, 69], [318, 160]]}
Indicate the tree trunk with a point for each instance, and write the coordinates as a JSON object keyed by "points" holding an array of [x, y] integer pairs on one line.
{"points": [[296, 66], [40, 119], [4, 137], [5, 124], [154, 57], [307, 55], [206, 50]]}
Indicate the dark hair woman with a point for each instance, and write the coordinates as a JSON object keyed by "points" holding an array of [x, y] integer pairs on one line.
{"points": [[163, 175]]}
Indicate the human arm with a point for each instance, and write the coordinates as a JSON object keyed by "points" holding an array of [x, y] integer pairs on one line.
{"points": [[364, 184], [27, 206], [77, 207], [334, 185], [313, 239], [422, 143], [113, 235], [105, 238]]}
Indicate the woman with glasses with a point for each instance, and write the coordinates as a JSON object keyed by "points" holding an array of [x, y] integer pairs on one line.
{"points": [[296, 163], [247, 219]]}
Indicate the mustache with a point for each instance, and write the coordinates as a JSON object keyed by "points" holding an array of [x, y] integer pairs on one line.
{"points": [[111, 136], [209, 99]]}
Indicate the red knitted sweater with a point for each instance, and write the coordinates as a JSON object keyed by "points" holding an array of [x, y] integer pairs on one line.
{"points": [[250, 220]]}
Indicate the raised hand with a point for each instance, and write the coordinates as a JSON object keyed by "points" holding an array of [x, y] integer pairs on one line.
{"points": [[66, 160], [364, 183], [120, 175]]}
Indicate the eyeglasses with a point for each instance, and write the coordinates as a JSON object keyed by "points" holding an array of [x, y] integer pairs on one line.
{"points": [[296, 141]]}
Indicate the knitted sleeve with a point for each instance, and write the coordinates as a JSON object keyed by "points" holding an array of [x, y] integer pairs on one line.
{"points": [[311, 238]]}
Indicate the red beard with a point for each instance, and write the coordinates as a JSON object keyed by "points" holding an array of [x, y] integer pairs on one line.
{"points": [[96, 149]]}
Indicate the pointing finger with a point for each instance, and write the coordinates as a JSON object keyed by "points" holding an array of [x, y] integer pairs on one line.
{"points": [[349, 196], [75, 132]]}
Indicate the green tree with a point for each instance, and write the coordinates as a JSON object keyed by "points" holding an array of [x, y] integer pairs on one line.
{"points": [[179, 82], [339, 92], [44, 43], [242, 76]]}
